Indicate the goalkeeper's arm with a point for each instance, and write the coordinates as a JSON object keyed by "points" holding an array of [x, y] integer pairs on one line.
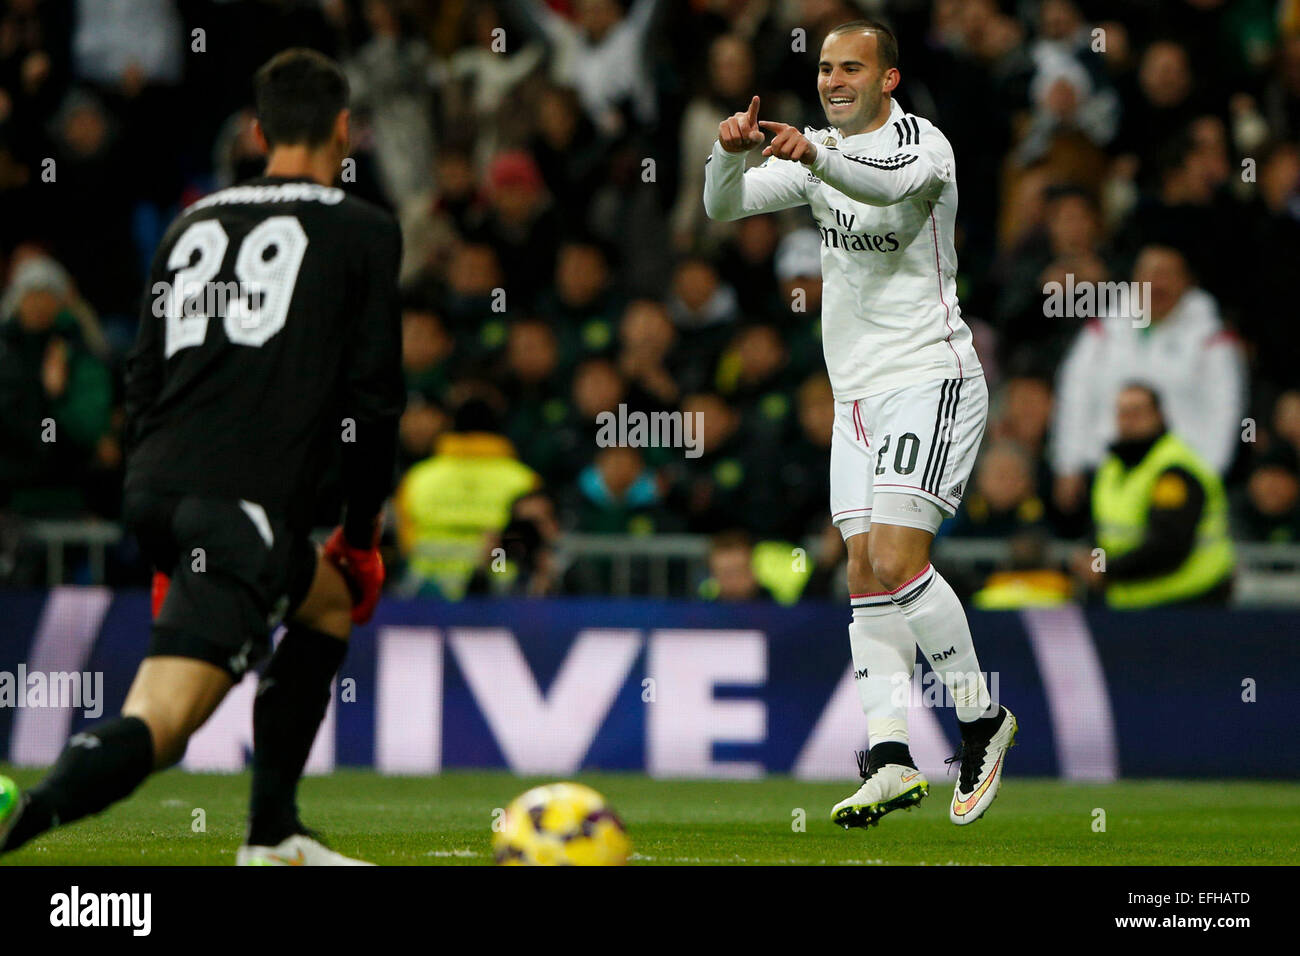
{"points": [[374, 395]]}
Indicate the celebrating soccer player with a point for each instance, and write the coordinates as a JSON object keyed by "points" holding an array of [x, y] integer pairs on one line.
{"points": [[232, 419], [911, 401]]}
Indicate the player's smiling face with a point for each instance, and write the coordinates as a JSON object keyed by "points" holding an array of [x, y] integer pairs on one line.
{"points": [[851, 83]]}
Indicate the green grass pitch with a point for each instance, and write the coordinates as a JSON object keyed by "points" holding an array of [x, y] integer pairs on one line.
{"points": [[447, 820]]}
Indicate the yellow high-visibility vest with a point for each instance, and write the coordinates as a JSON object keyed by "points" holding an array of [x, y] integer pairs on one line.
{"points": [[1121, 507], [448, 504]]}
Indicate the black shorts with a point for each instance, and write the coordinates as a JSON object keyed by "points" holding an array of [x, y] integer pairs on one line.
{"points": [[236, 571]]}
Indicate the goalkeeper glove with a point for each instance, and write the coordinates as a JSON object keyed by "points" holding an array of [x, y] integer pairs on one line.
{"points": [[158, 593], [362, 570]]}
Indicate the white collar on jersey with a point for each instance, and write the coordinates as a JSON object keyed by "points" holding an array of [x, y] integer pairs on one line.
{"points": [[876, 135]]}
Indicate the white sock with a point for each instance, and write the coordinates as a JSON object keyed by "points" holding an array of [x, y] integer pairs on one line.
{"points": [[884, 655], [938, 623]]}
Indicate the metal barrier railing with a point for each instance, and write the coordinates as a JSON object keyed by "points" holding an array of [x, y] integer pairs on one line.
{"points": [[670, 565]]}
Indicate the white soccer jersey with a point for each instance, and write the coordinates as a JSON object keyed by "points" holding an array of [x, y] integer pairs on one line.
{"points": [[1195, 364], [885, 203]]}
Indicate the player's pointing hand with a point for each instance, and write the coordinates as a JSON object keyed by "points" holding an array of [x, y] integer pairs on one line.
{"points": [[788, 143], [739, 132]]}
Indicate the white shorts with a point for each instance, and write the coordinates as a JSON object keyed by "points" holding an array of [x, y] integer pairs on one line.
{"points": [[918, 442]]}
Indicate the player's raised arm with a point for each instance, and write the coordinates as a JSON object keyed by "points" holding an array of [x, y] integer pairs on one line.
{"points": [[917, 170], [731, 192]]}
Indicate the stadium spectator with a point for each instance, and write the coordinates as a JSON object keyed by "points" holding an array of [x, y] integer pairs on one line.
{"points": [[603, 56], [1069, 110], [1161, 515], [392, 99], [618, 494], [521, 224], [747, 261], [56, 392], [132, 54], [1186, 353], [1269, 509], [731, 570], [236, 154], [523, 560], [703, 308], [470, 299], [1286, 419], [798, 267], [1274, 246], [1162, 106], [1022, 414], [647, 339], [570, 153], [713, 491], [581, 302], [535, 388], [799, 482], [448, 505], [755, 377], [1069, 245], [426, 348], [597, 387], [977, 55], [34, 67], [1190, 210], [829, 578], [1281, 100], [1003, 503], [90, 164], [483, 78], [433, 221], [730, 81], [753, 374]]}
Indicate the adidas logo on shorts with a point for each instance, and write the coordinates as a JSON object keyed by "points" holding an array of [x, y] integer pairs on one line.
{"points": [[955, 491]]}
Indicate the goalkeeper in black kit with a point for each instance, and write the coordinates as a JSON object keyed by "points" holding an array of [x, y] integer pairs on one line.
{"points": [[270, 338]]}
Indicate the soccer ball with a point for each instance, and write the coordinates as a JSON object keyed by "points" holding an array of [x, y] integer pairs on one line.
{"points": [[560, 824]]}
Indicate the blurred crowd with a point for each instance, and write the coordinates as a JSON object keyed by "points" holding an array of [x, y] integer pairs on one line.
{"points": [[545, 159]]}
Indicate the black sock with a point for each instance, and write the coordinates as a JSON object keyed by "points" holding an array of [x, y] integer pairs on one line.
{"points": [[981, 727], [291, 702], [97, 768], [891, 751]]}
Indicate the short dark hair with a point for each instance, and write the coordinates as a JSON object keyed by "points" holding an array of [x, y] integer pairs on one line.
{"points": [[298, 94], [1152, 393], [886, 42], [731, 539], [476, 415]]}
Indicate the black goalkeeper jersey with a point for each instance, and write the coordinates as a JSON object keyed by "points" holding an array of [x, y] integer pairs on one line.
{"points": [[270, 339]]}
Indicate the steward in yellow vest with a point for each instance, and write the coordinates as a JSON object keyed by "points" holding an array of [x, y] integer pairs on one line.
{"points": [[447, 505], [1161, 515]]}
